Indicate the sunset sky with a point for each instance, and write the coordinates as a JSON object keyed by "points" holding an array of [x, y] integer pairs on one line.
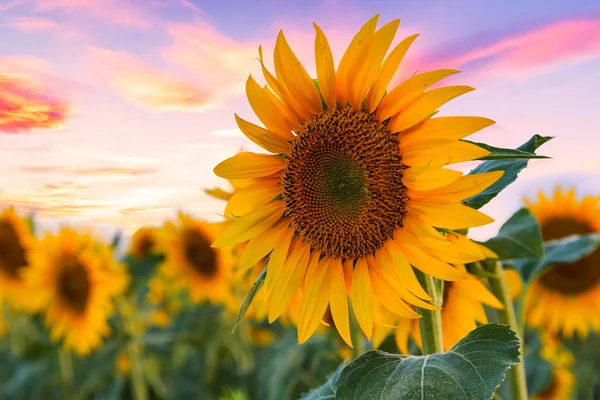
{"points": [[114, 112]]}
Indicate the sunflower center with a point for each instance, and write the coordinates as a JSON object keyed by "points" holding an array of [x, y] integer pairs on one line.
{"points": [[12, 254], [74, 284], [578, 276], [145, 246], [198, 253], [342, 185]]}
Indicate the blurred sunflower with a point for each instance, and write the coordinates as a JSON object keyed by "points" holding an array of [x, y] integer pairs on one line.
{"points": [[356, 183], [462, 309], [3, 327], [191, 263], [143, 243], [566, 299], [74, 281], [164, 296], [562, 382], [16, 239]]}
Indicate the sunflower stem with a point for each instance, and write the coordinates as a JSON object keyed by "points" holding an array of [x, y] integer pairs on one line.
{"points": [[138, 381], [65, 365], [499, 286], [430, 324]]}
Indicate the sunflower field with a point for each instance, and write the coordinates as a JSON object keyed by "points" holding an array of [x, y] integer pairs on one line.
{"points": [[341, 268]]}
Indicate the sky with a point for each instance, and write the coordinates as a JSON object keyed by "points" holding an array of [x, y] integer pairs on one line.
{"points": [[113, 113]]}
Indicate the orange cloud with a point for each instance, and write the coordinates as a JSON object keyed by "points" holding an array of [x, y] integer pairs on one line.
{"points": [[149, 87], [25, 106], [544, 46]]}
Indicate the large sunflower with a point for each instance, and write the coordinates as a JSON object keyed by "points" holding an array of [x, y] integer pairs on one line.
{"points": [[356, 183], [74, 281], [566, 299], [191, 263], [462, 309], [16, 239]]}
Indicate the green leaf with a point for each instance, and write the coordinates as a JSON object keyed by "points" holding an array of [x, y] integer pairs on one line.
{"points": [[520, 238], [328, 389], [511, 169], [498, 153], [249, 297], [471, 369], [561, 251]]}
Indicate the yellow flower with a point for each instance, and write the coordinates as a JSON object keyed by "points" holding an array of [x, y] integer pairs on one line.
{"points": [[462, 309], [159, 318], [356, 183], [562, 382], [16, 239], [123, 363], [514, 282], [566, 299], [191, 262], [74, 280], [143, 243]]}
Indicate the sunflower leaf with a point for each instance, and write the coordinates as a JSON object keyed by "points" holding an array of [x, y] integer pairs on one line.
{"points": [[562, 251], [511, 168], [498, 153], [520, 238], [473, 368], [249, 297], [328, 389]]}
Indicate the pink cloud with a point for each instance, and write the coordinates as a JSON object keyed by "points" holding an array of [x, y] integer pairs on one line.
{"points": [[90, 171], [149, 87], [26, 106], [32, 24], [540, 47]]}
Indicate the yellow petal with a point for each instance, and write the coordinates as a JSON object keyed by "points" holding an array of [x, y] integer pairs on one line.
{"points": [[466, 245], [371, 57], [386, 73], [363, 302], [250, 225], [288, 280], [478, 291], [407, 92], [420, 257], [277, 261], [250, 198], [325, 67], [266, 110], [314, 302], [348, 267], [402, 334], [444, 128], [288, 114], [441, 152], [424, 106], [486, 252], [514, 282], [347, 69], [423, 178], [463, 188], [424, 232], [404, 271], [448, 215], [246, 165], [290, 70], [338, 301], [261, 245]]}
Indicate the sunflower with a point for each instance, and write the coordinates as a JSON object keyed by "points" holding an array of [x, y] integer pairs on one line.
{"points": [[462, 309], [192, 264], [143, 243], [566, 299], [16, 239], [356, 184], [74, 280], [562, 382]]}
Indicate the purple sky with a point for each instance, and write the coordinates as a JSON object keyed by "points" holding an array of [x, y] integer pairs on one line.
{"points": [[114, 112]]}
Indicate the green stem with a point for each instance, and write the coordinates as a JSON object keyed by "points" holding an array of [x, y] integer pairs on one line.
{"points": [[358, 340], [138, 380], [498, 284], [430, 324], [65, 365]]}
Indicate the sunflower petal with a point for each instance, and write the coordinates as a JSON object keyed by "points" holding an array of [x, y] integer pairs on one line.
{"points": [[261, 245], [404, 271], [325, 67], [407, 92], [314, 302], [371, 56], [250, 225], [246, 165], [290, 70], [444, 128], [386, 73], [424, 106], [478, 291], [266, 110], [277, 261], [448, 215], [441, 152], [245, 200], [389, 298], [402, 335], [422, 178], [363, 301], [424, 232], [346, 69], [288, 280], [464, 187], [338, 301]]}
